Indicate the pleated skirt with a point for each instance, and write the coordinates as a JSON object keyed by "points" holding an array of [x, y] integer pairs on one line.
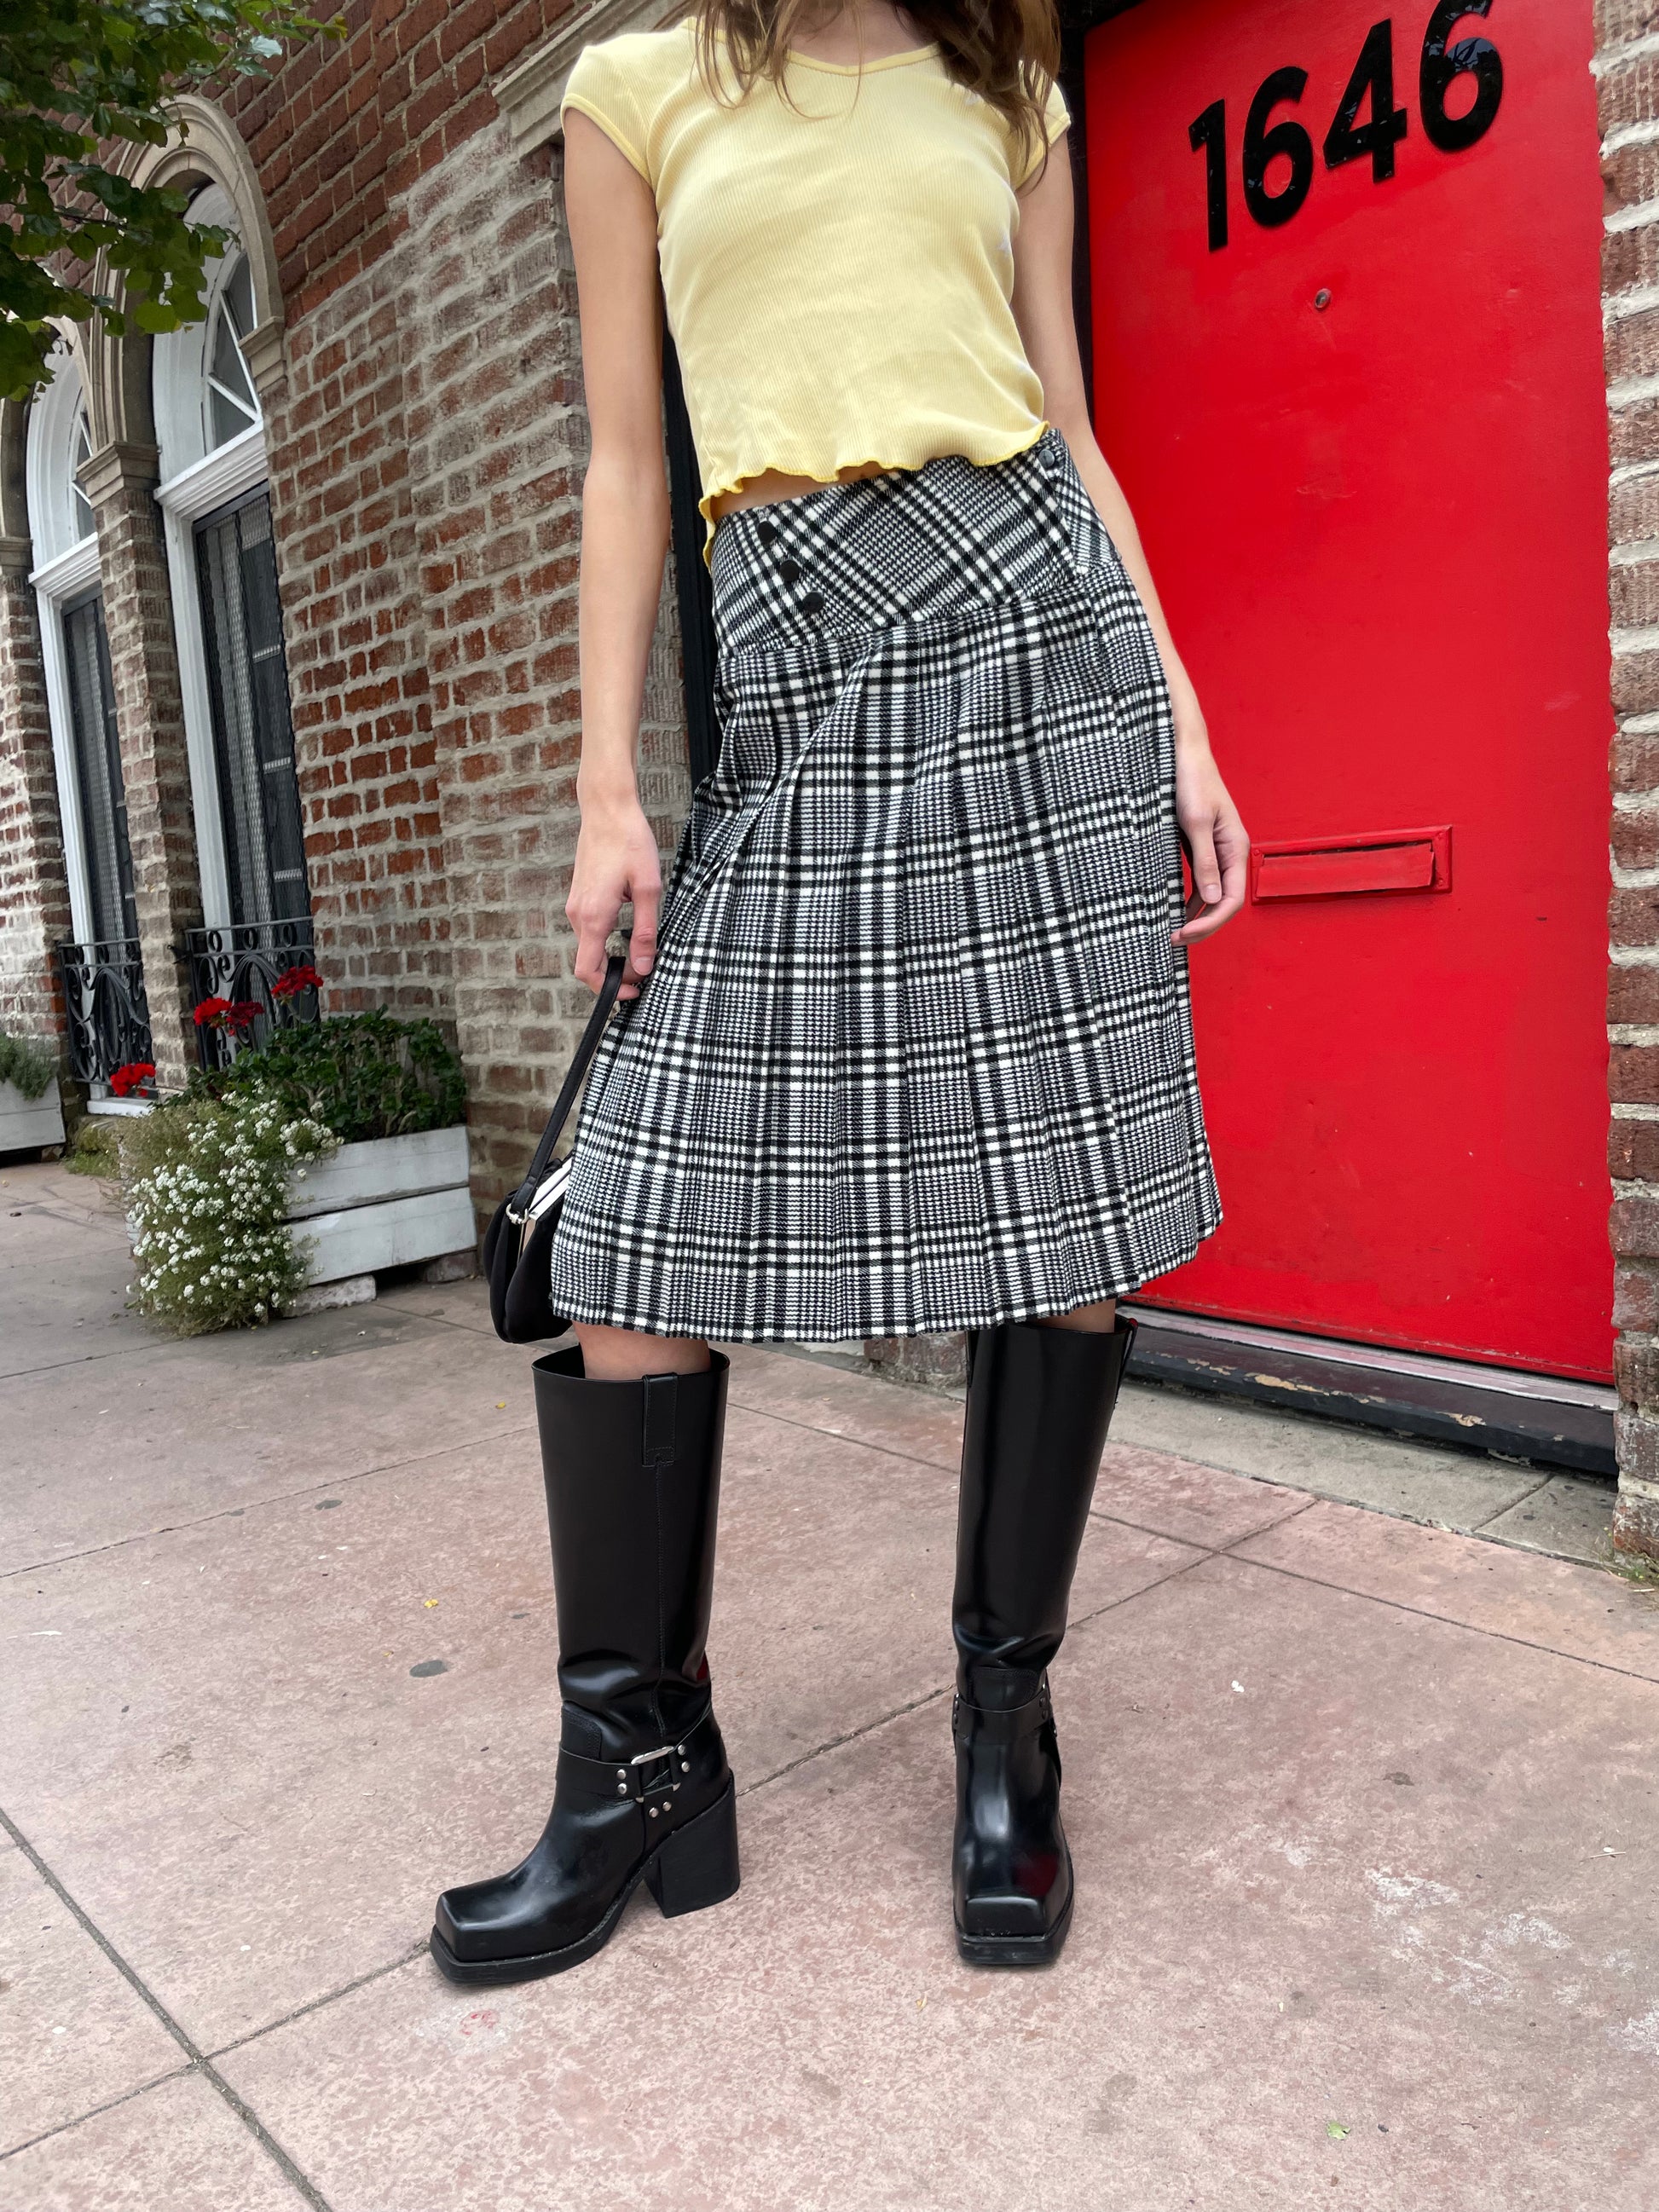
{"points": [[916, 1054]]}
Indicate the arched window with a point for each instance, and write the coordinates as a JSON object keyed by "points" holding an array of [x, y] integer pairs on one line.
{"points": [[204, 395], [102, 972], [60, 515], [221, 558]]}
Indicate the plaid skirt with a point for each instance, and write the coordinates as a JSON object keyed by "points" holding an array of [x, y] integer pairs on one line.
{"points": [[916, 1053]]}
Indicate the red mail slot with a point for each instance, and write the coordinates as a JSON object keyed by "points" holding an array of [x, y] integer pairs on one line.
{"points": [[1338, 867]]}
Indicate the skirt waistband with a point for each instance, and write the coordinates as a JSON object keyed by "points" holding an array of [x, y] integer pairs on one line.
{"points": [[909, 545]]}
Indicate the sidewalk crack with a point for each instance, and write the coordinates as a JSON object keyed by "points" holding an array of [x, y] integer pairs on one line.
{"points": [[199, 2063], [96, 2112]]}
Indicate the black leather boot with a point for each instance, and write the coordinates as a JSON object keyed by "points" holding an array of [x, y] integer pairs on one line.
{"points": [[643, 1791], [1039, 1403]]}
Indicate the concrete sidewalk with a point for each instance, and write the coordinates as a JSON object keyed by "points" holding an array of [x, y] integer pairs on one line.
{"points": [[1363, 1810]]}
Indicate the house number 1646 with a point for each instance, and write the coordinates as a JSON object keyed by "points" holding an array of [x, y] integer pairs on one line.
{"points": [[1348, 139]]}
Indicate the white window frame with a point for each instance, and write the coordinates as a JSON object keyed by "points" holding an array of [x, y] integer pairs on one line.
{"points": [[199, 483], [234, 470], [68, 572]]}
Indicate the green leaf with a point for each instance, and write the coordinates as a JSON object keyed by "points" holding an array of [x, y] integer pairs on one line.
{"points": [[75, 74]]}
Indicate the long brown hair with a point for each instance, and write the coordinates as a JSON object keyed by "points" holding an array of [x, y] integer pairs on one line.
{"points": [[1006, 51]]}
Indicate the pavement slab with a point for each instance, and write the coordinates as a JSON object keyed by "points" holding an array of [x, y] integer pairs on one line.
{"points": [[1566, 1517], [457, 1305], [1319, 1935], [174, 1432], [1363, 1811], [1556, 1603], [177, 2147], [46, 1188], [73, 2033], [62, 1297], [1457, 1490], [1195, 1505], [279, 1842], [915, 1424]]}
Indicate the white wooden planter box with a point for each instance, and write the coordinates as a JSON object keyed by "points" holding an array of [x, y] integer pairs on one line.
{"points": [[27, 1121], [383, 1204]]}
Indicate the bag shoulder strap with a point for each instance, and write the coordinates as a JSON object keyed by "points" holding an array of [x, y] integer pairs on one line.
{"points": [[579, 1067]]}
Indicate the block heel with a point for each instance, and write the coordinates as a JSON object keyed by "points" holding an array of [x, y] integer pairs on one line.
{"points": [[643, 1790], [698, 1866], [1040, 1404]]}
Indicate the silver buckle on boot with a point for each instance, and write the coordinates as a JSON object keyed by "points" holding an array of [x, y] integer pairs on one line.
{"points": [[676, 1767]]}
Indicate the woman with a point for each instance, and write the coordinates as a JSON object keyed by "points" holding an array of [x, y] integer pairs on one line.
{"points": [[908, 1048]]}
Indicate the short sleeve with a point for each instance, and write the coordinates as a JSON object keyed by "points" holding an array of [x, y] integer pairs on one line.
{"points": [[598, 86], [1056, 119]]}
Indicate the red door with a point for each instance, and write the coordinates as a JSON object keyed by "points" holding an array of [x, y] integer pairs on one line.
{"points": [[1349, 361]]}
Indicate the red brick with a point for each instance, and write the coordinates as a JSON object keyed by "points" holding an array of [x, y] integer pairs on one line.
{"points": [[1633, 916], [1633, 763], [1633, 995], [1635, 837], [1633, 1151], [1636, 1295], [1633, 1076]]}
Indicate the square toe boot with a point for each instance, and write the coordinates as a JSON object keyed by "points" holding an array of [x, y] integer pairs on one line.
{"points": [[1040, 1402], [643, 1792]]}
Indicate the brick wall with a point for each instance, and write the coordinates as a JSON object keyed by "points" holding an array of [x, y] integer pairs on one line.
{"points": [[1627, 68], [34, 910], [120, 483], [342, 518], [427, 449], [497, 440], [347, 128]]}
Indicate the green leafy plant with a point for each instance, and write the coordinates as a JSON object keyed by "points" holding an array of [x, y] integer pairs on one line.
{"points": [[359, 1075], [26, 1066], [207, 1197], [95, 1149], [78, 77]]}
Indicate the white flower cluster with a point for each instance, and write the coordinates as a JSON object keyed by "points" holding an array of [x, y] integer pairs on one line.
{"points": [[208, 1226]]}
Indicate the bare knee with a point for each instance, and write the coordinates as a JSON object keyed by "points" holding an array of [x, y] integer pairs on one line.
{"points": [[623, 1355], [1099, 1317]]}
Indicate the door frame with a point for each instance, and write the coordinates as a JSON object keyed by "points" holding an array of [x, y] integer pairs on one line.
{"points": [[1550, 1419]]}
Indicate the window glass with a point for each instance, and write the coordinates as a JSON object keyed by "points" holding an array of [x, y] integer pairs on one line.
{"points": [[110, 887], [253, 728], [81, 517], [232, 407]]}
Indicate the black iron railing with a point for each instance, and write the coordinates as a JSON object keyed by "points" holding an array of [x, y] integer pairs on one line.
{"points": [[108, 1014], [244, 965]]}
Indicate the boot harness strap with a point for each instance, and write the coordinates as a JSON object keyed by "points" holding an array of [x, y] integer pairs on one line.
{"points": [[648, 1774], [982, 1719]]}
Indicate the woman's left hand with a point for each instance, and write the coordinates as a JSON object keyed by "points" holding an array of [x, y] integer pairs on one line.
{"points": [[1216, 845]]}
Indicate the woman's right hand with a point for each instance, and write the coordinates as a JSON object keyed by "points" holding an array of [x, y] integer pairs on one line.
{"points": [[617, 861]]}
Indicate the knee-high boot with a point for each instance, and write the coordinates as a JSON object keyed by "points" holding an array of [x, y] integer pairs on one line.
{"points": [[1040, 1401], [643, 1790]]}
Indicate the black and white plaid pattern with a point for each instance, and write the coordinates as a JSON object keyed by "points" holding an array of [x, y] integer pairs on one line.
{"points": [[916, 1054]]}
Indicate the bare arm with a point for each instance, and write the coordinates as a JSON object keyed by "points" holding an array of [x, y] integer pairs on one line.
{"points": [[613, 235], [1214, 836]]}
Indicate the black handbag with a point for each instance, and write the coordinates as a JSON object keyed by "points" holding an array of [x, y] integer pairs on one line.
{"points": [[517, 1247]]}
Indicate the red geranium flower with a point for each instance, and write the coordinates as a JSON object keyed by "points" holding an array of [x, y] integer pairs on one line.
{"points": [[137, 1075], [293, 981], [237, 1014]]}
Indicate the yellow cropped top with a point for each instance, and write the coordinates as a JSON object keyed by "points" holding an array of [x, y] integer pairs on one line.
{"points": [[838, 273]]}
